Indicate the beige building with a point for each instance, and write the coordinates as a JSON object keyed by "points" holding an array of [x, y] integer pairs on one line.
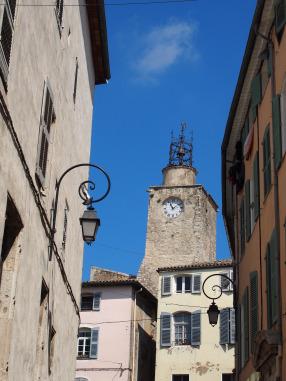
{"points": [[50, 59], [188, 348]]}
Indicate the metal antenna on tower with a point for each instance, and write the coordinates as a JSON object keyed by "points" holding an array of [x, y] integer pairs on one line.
{"points": [[181, 149]]}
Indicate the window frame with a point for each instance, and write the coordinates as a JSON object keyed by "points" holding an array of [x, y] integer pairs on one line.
{"points": [[88, 355], [186, 328]]}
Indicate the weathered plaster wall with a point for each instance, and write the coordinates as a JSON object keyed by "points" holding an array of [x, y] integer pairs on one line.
{"points": [[38, 53], [208, 361], [115, 331]]}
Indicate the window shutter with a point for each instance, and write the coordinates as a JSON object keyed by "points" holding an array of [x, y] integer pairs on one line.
{"points": [[266, 161], [165, 329], [94, 343], [196, 283], [255, 93], [253, 306], [166, 285], [230, 275], [246, 324], [280, 15], [276, 128], [224, 326], [196, 327], [274, 276], [239, 334], [96, 302], [256, 186], [268, 281], [232, 335], [247, 210], [269, 61], [242, 227], [224, 282]]}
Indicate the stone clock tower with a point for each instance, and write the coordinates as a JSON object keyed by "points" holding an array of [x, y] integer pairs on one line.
{"points": [[181, 218]]}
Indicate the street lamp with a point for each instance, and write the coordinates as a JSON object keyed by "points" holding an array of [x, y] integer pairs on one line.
{"points": [[89, 221], [213, 311]]}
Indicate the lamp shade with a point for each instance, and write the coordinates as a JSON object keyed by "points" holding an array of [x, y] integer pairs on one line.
{"points": [[89, 224], [213, 313]]}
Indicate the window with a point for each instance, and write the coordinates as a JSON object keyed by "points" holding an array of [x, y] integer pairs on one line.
{"points": [[87, 343], [227, 326], [266, 161], [183, 328], [182, 324], [227, 377], [75, 81], [272, 277], [276, 130], [255, 94], [80, 379], [13, 226], [59, 12], [7, 29], [225, 284], [47, 119], [188, 283], [180, 377], [90, 302]]}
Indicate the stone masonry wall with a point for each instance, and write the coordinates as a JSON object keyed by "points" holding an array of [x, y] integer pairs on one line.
{"points": [[188, 238]]}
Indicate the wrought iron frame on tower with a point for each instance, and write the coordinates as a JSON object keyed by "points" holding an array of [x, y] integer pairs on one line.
{"points": [[181, 150]]}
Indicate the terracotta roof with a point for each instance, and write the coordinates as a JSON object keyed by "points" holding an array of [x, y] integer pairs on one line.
{"points": [[99, 274], [199, 265], [131, 281]]}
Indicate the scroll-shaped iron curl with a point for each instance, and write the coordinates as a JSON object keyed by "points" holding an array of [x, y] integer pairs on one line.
{"points": [[84, 194], [216, 287]]}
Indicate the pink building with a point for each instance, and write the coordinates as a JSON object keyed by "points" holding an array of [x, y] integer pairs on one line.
{"points": [[116, 339]]}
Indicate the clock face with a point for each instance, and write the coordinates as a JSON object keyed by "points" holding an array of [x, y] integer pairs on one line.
{"points": [[173, 207]]}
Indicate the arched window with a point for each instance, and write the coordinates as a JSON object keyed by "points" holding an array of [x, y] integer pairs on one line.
{"points": [[182, 324], [87, 343], [80, 379]]}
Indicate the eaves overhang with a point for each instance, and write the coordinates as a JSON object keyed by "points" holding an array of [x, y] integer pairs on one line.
{"points": [[99, 43], [262, 22]]}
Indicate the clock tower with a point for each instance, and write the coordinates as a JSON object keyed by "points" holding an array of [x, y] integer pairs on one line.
{"points": [[181, 227]]}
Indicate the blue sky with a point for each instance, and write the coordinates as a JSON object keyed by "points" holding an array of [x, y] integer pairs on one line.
{"points": [[170, 63]]}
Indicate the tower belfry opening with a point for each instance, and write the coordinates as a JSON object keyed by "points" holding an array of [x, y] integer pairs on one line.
{"points": [[181, 149]]}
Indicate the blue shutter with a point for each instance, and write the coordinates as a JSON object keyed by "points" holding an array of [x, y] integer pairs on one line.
{"points": [[96, 302], [165, 329], [247, 210], [196, 327], [166, 285], [255, 93], [253, 306], [196, 283], [94, 343], [256, 186], [224, 326], [232, 335], [274, 276]]}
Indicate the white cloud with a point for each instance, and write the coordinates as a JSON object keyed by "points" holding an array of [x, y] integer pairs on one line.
{"points": [[162, 47]]}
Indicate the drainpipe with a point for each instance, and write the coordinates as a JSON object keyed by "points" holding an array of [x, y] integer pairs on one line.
{"points": [[132, 373]]}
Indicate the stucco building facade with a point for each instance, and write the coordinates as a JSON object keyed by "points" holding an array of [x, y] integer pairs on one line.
{"points": [[188, 348], [50, 59], [116, 339], [254, 186]]}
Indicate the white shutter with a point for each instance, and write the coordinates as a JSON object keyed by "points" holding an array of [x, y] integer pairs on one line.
{"points": [[231, 277], [94, 343], [166, 285], [196, 327], [96, 302], [224, 326], [196, 283], [232, 325], [165, 324]]}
